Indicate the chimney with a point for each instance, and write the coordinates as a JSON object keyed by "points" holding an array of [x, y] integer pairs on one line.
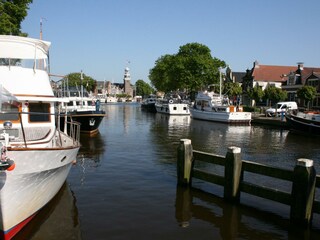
{"points": [[300, 65]]}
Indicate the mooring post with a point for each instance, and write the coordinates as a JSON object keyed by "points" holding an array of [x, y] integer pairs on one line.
{"points": [[184, 162], [303, 191], [232, 174]]}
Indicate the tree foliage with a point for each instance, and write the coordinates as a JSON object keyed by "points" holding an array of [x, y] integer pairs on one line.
{"points": [[192, 68], [143, 88], [256, 93], [74, 79], [275, 94], [232, 89], [307, 93], [12, 13]]}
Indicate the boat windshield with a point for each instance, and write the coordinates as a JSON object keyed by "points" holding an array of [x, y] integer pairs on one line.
{"points": [[9, 105]]}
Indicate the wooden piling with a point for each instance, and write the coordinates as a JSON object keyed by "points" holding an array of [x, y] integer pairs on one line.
{"points": [[303, 192], [184, 162], [232, 174]]}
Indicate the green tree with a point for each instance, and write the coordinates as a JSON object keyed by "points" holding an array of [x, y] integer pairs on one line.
{"points": [[307, 93], [12, 13], [256, 93], [192, 68], [232, 89], [143, 88], [274, 94], [160, 76], [74, 79]]}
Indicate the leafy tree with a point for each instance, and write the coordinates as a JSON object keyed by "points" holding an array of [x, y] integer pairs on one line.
{"points": [[192, 68], [143, 88], [275, 94], [12, 13], [232, 89], [160, 75], [74, 79], [307, 93], [256, 93]]}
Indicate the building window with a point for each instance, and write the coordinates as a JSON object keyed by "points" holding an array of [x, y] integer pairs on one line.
{"points": [[313, 82]]}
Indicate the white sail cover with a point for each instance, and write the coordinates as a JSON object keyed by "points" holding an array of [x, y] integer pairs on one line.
{"points": [[15, 47]]}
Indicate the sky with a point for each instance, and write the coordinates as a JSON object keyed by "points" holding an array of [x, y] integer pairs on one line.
{"points": [[102, 37]]}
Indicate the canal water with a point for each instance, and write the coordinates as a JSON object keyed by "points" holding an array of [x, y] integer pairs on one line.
{"points": [[124, 185]]}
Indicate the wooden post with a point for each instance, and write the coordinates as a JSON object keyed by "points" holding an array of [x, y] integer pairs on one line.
{"points": [[232, 175], [184, 162], [303, 191]]}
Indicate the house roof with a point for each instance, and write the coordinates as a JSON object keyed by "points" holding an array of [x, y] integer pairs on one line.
{"points": [[271, 73], [238, 76], [307, 72]]}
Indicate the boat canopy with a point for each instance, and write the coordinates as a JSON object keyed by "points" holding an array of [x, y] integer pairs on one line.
{"points": [[15, 47]]}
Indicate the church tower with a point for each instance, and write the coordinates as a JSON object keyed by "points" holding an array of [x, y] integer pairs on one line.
{"points": [[127, 82]]}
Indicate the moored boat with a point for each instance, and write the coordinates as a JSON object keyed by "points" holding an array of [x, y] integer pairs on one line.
{"points": [[111, 99], [148, 104], [36, 156], [304, 122], [212, 107], [172, 104], [81, 108]]}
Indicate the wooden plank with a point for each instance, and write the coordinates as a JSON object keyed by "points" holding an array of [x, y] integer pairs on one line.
{"points": [[208, 157], [269, 171], [264, 192], [209, 177]]}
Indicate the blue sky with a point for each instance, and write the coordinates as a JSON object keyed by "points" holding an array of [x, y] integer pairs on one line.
{"points": [[101, 36]]}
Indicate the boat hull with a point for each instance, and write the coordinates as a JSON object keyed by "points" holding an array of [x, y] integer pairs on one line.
{"points": [[173, 108], [224, 117], [303, 125], [36, 179], [89, 120], [148, 107]]}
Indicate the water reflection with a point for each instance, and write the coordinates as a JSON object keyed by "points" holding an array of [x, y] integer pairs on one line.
{"points": [[57, 220], [92, 148], [234, 221]]}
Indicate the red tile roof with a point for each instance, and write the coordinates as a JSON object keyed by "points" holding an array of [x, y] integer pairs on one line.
{"points": [[270, 73]]}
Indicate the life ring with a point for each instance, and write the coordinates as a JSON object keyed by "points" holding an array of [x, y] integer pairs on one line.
{"points": [[170, 101]]}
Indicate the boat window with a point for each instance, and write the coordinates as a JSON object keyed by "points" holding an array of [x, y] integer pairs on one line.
{"points": [[221, 109], [70, 103], [43, 110], [9, 112]]}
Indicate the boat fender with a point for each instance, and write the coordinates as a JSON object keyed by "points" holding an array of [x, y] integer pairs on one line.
{"points": [[170, 101], [11, 165]]}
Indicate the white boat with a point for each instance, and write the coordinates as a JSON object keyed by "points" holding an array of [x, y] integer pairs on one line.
{"points": [[212, 107], [35, 155], [172, 104], [111, 99]]}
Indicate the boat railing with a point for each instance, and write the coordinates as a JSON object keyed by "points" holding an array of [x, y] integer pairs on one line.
{"points": [[36, 133], [71, 128]]}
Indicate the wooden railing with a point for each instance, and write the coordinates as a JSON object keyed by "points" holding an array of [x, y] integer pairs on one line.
{"points": [[303, 178]]}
